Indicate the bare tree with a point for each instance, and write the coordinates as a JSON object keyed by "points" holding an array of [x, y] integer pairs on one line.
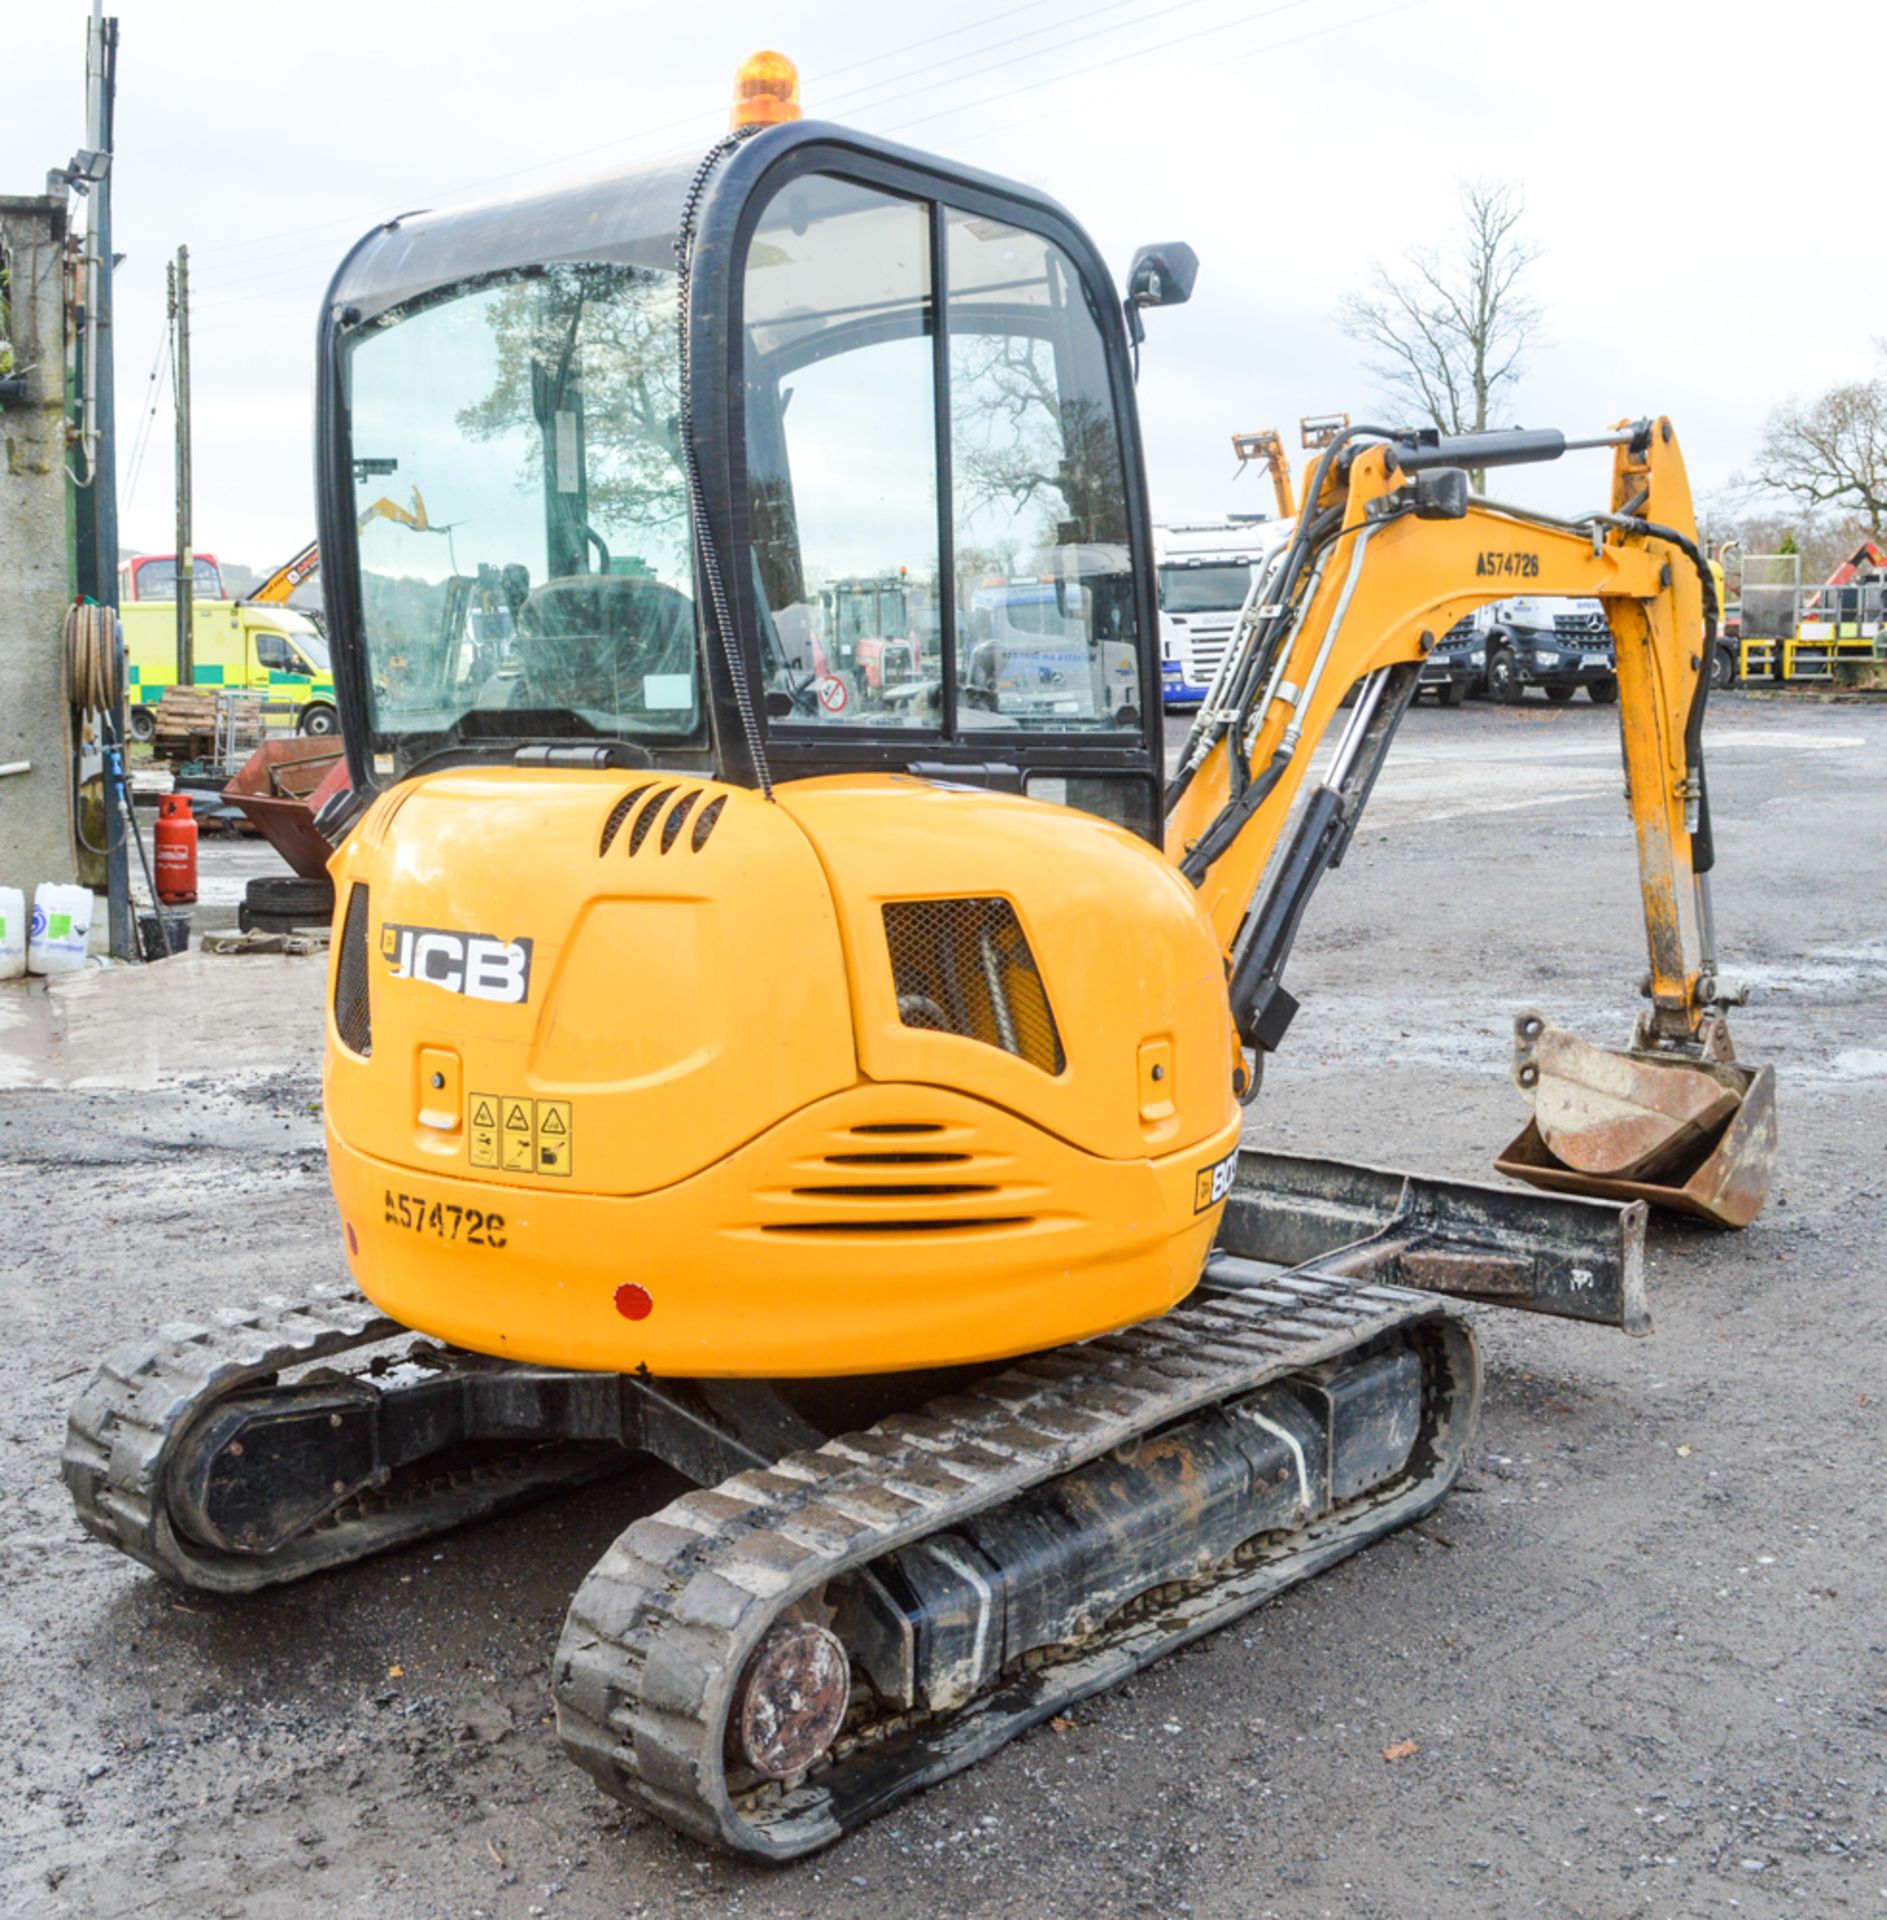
{"points": [[598, 341], [1831, 452], [1448, 331], [1823, 541]]}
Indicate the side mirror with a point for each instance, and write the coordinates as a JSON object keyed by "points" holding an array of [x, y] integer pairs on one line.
{"points": [[1161, 276]]}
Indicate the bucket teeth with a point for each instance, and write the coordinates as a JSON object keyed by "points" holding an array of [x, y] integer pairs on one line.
{"points": [[1695, 1135]]}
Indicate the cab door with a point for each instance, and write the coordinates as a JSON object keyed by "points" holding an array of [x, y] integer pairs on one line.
{"points": [[932, 390]]}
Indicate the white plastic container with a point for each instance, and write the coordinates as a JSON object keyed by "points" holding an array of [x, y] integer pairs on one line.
{"points": [[12, 933], [61, 929]]}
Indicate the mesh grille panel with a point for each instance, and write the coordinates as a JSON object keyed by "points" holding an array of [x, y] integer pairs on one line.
{"points": [[704, 825], [352, 1014], [677, 818], [964, 967], [646, 819], [618, 814]]}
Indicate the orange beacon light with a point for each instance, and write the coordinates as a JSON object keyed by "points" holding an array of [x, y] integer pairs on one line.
{"points": [[766, 91]]}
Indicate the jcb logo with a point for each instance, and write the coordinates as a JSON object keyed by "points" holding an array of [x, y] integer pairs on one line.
{"points": [[474, 964], [1211, 1184]]}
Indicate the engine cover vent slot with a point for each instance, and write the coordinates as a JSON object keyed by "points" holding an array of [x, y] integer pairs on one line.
{"points": [[647, 818], [353, 1012], [898, 1190], [902, 1226], [965, 967], [617, 815], [896, 1158], [678, 818], [704, 823]]}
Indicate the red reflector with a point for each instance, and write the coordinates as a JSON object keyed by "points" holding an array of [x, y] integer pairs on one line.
{"points": [[353, 1245], [633, 1302]]}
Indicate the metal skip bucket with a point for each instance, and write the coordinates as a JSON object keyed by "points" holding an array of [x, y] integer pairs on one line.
{"points": [[1695, 1135]]}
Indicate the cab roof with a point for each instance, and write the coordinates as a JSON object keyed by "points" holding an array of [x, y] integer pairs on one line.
{"points": [[621, 218], [624, 218]]}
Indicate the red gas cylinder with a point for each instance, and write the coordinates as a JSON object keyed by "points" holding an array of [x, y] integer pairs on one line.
{"points": [[176, 851]]}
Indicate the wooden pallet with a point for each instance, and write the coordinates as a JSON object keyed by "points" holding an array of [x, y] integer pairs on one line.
{"points": [[186, 723], [201, 723]]}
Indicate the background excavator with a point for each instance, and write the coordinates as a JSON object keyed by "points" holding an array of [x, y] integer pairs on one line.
{"points": [[845, 1108], [302, 565]]}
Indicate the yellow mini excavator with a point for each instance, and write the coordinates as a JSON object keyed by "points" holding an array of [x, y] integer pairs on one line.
{"points": [[843, 1105]]}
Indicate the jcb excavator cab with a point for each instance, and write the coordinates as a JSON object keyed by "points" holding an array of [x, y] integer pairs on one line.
{"points": [[891, 370]]}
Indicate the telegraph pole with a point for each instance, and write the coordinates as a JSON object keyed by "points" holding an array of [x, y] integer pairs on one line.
{"points": [[180, 335], [95, 507]]}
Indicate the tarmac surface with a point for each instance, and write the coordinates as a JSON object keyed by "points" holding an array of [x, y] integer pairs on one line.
{"points": [[1636, 1664]]}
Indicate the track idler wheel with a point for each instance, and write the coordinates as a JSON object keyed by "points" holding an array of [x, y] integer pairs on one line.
{"points": [[1693, 1134], [791, 1700]]}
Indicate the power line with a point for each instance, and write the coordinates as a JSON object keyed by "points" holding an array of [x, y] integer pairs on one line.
{"points": [[284, 280], [144, 425], [1133, 53], [695, 118], [1224, 60], [848, 100]]}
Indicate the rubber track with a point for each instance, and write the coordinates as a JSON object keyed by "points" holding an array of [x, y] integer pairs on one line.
{"points": [[658, 1633], [124, 1426]]}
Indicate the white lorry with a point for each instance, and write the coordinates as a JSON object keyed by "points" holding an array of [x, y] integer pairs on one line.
{"points": [[1205, 568]]}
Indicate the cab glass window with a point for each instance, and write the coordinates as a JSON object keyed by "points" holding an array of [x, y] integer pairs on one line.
{"points": [[1044, 581], [525, 554], [842, 462], [1204, 586]]}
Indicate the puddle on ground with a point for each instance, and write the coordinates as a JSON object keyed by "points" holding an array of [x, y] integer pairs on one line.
{"points": [[1855, 967], [1857, 1063]]}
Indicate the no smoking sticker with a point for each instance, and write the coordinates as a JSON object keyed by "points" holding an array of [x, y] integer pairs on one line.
{"points": [[832, 694]]}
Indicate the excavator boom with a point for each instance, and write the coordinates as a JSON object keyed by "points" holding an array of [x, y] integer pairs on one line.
{"points": [[1390, 552], [281, 584]]}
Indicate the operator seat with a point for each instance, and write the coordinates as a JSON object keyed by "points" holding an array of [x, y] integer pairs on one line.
{"points": [[590, 640]]}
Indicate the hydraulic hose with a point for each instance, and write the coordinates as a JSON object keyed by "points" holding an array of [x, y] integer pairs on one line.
{"points": [[1703, 846]]}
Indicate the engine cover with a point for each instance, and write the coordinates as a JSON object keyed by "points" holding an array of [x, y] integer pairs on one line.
{"points": [[649, 1071]]}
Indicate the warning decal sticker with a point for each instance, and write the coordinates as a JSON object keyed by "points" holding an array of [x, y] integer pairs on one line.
{"points": [[483, 1128], [521, 1135], [553, 1136]]}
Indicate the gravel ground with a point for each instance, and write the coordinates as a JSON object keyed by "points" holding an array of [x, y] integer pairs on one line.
{"points": [[1633, 1666]]}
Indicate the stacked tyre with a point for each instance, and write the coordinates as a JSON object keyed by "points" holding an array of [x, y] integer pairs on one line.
{"points": [[285, 903]]}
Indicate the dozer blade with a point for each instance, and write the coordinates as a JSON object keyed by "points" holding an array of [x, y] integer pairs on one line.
{"points": [[1697, 1136]]}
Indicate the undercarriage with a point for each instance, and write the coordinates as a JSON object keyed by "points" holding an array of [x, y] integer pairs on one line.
{"points": [[878, 1580]]}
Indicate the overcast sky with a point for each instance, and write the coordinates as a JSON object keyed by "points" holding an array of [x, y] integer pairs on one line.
{"points": [[1707, 235]]}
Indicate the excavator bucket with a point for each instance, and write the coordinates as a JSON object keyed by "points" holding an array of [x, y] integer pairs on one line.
{"points": [[1695, 1135]]}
